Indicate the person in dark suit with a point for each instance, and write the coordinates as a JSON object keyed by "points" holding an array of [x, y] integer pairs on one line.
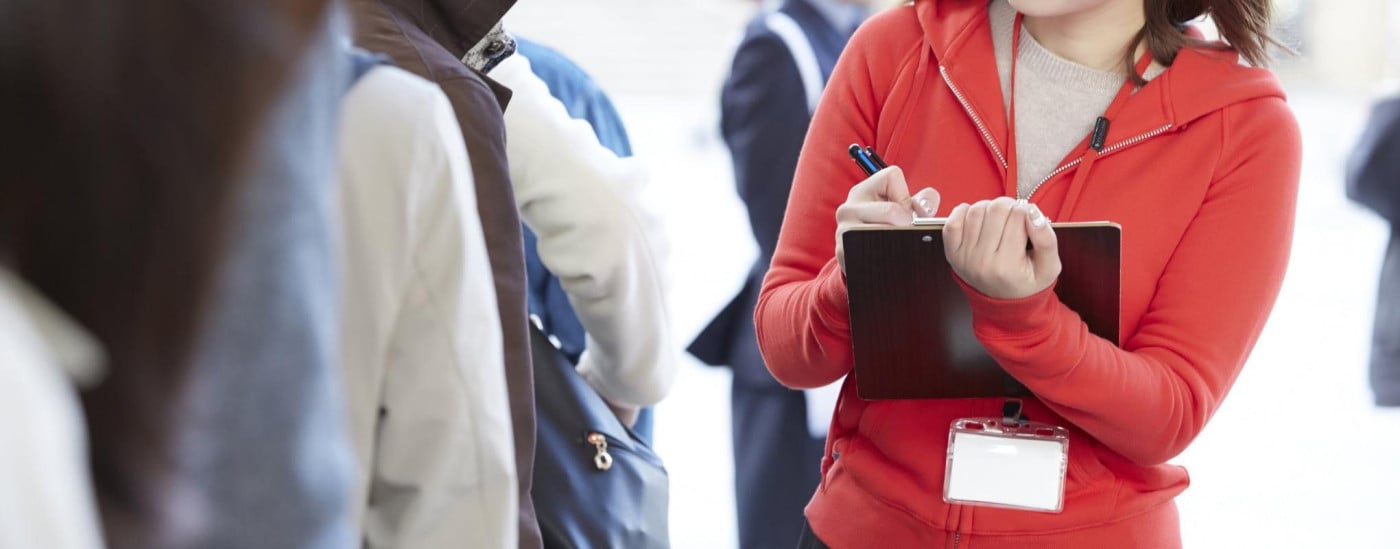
{"points": [[1373, 179], [779, 70]]}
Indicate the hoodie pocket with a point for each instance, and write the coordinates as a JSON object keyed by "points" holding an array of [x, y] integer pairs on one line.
{"points": [[1085, 469]]}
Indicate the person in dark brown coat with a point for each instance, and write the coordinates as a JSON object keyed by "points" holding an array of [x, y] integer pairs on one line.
{"points": [[429, 38]]}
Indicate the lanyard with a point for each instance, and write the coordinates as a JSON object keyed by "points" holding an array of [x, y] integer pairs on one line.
{"points": [[1012, 168]]}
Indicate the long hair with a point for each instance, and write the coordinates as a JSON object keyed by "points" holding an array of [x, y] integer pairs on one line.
{"points": [[1244, 24], [125, 125]]}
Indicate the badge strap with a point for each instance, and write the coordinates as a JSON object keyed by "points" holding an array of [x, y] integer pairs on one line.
{"points": [[1011, 414]]}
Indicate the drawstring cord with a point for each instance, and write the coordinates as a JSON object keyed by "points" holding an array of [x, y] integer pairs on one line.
{"points": [[1081, 175], [1076, 186]]}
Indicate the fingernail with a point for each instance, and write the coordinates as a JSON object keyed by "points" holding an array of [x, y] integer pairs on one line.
{"points": [[923, 203], [1022, 202], [1037, 218]]}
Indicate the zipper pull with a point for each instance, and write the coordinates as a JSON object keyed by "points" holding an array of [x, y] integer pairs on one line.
{"points": [[603, 460]]}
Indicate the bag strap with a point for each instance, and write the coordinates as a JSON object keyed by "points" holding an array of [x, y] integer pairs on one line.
{"points": [[797, 43]]}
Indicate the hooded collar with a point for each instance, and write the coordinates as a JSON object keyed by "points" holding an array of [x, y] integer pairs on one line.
{"points": [[1199, 82], [455, 24]]}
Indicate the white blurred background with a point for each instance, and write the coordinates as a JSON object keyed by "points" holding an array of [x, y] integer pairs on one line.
{"points": [[1296, 457]]}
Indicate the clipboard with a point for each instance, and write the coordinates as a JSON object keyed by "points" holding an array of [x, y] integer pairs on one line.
{"points": [[911, 326]]}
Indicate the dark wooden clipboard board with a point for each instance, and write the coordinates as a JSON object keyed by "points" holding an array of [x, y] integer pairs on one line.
{"points": [[911, 326]]}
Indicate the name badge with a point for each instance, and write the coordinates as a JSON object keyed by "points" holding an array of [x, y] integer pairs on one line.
{"points": [[1010, 464]]}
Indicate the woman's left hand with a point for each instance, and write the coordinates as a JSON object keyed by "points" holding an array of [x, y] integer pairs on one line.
{"points": [[986, 245]]}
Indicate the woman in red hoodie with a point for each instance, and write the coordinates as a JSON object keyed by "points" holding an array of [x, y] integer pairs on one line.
{"points": [[1121, 112]]}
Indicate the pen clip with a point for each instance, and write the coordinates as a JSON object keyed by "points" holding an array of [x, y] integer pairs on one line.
{"points": [[879, 162], [866, 164]]}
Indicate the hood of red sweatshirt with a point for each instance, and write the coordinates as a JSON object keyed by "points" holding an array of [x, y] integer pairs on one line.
{"points": [[1199, 82]]}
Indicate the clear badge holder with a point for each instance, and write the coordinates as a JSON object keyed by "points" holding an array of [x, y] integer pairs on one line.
{"points": [[1007, 462]]}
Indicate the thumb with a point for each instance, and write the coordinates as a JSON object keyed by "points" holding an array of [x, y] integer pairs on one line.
{"points": [[1045, 252]]}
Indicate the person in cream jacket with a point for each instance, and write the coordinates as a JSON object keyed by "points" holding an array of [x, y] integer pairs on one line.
{"points": [[422, 345], [421, 342], [597, 236]]}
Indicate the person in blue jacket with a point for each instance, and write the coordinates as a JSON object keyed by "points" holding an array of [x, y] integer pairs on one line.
{"points": [[778, 73], [584, 100]]}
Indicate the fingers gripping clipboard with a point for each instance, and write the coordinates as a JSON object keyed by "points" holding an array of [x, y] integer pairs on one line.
{"points": [[911, 326]]}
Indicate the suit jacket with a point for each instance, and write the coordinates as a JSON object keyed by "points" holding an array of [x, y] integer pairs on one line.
{"points": [[764, 120], [1373, 179], [429, 38]]}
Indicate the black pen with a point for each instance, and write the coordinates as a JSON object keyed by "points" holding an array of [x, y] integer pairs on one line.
{"points": [[870, 163]]}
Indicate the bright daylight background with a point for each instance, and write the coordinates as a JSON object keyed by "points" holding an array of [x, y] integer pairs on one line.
{"points": [[1297, 456]]}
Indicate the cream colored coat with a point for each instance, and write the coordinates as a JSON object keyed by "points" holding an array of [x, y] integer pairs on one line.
{"points": [[421, 343]]}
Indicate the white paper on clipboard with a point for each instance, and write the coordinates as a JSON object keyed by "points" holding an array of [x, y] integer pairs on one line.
{"points": [[821, 405]]}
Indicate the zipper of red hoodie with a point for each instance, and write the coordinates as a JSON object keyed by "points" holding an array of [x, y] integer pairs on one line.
{"points": [[987, 136]]}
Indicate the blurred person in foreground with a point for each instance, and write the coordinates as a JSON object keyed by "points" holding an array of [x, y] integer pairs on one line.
{"points": [[113, 226], [778, 75], [1373, 179], [266, 442]]}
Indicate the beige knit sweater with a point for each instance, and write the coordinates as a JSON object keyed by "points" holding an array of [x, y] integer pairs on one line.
{"points": [[1057, 100]]}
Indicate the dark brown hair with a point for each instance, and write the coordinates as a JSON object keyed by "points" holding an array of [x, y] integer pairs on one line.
{"points": [[1244, 24], [125, 125]]}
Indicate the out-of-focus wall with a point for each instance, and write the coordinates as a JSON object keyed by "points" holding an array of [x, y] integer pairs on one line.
{"points": [[1348, 44]]}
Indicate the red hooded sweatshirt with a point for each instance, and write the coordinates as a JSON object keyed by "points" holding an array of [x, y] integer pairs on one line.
{"points": [[1200, 167]]}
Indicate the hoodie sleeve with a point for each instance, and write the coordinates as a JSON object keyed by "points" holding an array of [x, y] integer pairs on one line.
{"points": [[802, 318], [583, 202], [1211, 304]]}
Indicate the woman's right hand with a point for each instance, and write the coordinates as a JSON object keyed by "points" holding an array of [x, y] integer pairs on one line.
{"points": [[882, 199]]}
